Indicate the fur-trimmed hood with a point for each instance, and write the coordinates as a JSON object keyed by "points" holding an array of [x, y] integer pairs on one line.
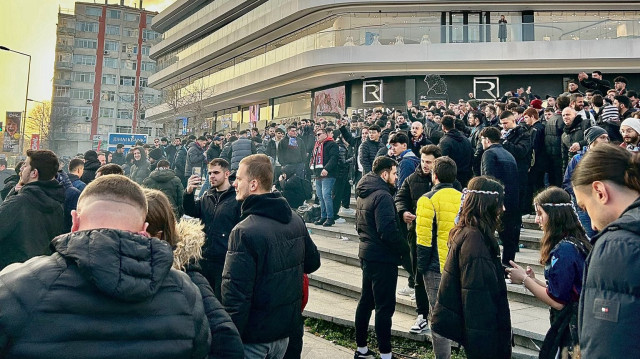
{"points": [[189, 248]]}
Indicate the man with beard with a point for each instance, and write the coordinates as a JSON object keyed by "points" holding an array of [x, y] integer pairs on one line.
{"points": [[196, 156], [517, 140], [573, 135], [620, 84], [623, 104], [630, 130], [140, 168], [292, 151], [595, 83], [418, 139], [577, 102]]}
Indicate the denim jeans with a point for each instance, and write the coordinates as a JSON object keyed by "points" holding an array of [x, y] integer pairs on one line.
{"points": [[441, 345], [324, 186], [273, 350]]}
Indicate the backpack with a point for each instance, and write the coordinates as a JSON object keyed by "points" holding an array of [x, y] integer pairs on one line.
{"points": [[307, 190], [309, 212]]}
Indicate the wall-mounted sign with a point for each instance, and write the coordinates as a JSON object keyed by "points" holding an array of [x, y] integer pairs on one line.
{"points": [[486, 88], [372, 91]]}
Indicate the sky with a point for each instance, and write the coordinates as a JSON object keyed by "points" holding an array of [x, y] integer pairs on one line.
{"points": [[29, 26]]}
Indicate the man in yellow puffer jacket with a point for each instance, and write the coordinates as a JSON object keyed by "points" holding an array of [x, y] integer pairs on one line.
{"points": [[436, 215]]}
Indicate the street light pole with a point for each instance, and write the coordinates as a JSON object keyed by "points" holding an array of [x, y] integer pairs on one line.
{"points": [[26, 96]]}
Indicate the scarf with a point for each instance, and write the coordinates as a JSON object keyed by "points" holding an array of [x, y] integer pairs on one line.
{"points": [[317, 156]]}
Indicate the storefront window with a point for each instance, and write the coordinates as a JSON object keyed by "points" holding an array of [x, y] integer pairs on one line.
{"points": [[296, 106]]}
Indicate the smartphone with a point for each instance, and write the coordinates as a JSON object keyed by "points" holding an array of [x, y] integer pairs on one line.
{"points": [[197, 171]]}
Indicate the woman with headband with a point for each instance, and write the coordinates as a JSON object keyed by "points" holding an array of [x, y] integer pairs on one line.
{"points": [[472, 306], [564, 248]]}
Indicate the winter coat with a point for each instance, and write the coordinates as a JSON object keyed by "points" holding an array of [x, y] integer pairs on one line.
{"points": [[384, 136], [168, 183], [499, 163], [239, 149], [553, 135], [71, 196], [609, 310], [220, 212], [6, 173], [9, 184], [288, 154], [90, 168], [407, 164], [118, 158], [31, 218], [292, 189], [458, 147], [478, 150], [77, 182], [472, 306], [102, 287], [354, 146], [330, 154], [180, 162], [572, 134], [540, 158], [376, 222], [213, 151], [417, 184], [225, 339], [140, 170], [596, 84], [518, 143], [435, 217], [269, 250], [433, 131], [195, 158], [367, 154]]}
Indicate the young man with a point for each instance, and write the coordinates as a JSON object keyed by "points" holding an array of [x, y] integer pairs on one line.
{"points": [[76, 168], [292, 150], [324, 164], [268, 253], [456, 146], [119, 157], [107, 282], [380, 253], [196, 156], [435, 217], [407, 160], [517, 140], [32, 212], [630, 130], [166, 181], [369, 149]]}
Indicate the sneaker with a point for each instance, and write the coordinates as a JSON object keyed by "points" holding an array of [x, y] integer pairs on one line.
{"points": [[328, 223], [413, 296], [320, 221], [347, 211], [406, 291], [368, 355], [420, 325], [340, 221]]}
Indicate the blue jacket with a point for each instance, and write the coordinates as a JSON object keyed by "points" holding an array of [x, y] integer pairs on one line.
{"points": [[407, 163], [566, 181], [499, 163]]}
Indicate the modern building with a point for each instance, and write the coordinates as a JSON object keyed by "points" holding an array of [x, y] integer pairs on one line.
{"points": [[227, 63], [100, 83]]}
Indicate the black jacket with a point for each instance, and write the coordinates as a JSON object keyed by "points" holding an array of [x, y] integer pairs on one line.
{"points": [[102, 287], [367, 154], [292, 189], [476, 145], [377, 223], [213, 151], [288, 155], [354, 144], [269, 251], [171, 151], [330, 153], [540, 158], [9, 183], [472, 306], [195, 158], [118, 158], [417, 184], [571, 135], [458, 147], [499, 163], [30, 220], [180, 162], [611, 281], [415, 146], [220, 212], [90, 168], [595, 84], [433, 130], [518, 143], [168, 183], [552, 137]]}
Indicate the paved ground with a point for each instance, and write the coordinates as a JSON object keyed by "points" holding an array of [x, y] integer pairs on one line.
{"points": [[317, 348]]}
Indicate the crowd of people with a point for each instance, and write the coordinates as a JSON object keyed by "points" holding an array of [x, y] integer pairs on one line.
{"points": [[204, 230]]}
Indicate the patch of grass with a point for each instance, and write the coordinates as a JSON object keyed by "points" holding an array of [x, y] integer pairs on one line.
{"points": [[346, 337]]}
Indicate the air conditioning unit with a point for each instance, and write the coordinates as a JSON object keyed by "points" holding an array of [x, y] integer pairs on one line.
{"points": [[88, 102], [106, 52], [87, 119]]}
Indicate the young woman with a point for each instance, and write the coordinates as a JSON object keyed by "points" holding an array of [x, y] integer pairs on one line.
{"points": [[472, 306], [564, 248]]}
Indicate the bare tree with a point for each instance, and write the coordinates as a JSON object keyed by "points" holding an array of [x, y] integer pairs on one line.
{"points": [[187, 100], [39, 122]]}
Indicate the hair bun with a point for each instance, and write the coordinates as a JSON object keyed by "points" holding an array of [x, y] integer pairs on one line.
{"points": [[632, 174]]}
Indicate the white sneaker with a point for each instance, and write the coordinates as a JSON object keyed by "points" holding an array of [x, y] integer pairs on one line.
{"points": [[413, 296], [340, 221], [347, 211], [420, 325], [406, 291]]}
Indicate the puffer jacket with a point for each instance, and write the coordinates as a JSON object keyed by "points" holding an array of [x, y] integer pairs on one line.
{"points": [[609, 310], [168, 183], [518, 143], [269, 251], [407, 164], [435, 217], [553, 136], [572, 134], [90, 168], [102, 287], [377, 223], [195, 158], [240, 148], [140, 170], [31, 218], [472, 306], [225, 339], [458, 147], [367, 153]]}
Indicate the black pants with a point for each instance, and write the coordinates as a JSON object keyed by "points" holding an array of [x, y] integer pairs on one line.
{"points": [[406, 257], [213, 272], [510, 236], [535, 184], [422, 301], [555, 172], [339, 188], [294, 349], [378, 292]]}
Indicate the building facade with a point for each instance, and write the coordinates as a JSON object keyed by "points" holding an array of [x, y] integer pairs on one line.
{"points": [[101, 74], [230, 63]]}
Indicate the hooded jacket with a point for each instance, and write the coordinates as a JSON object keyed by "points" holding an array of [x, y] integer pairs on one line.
{"points": [[77, 182], [118, 158], [376, 222], [140, 169], [458, 147], [499, 163], [90, 168], [269, 250], [31, 218], [102, 287], [407, 164], [195, 158], [609, 310], [168, 183], [225, 339], [71, 196], [9, 183], [572, 134]]}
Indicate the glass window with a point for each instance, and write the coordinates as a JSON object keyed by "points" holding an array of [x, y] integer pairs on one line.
{"points": [[93, 11], [149, 19], [84, 59], [145, 50], [148, 66], [149, 99], [127, 81], [86, 43], [127, 97], [113, 30], [110, 62], [149, 34], [80, 111], [109, 79], [111, 45], [125, 114], [123, 129], [83, 94], [113, 14], [131, 17], [129, 65], [145, 130], [62, 92], [107, 112], [108, 95], [84, 77], [130, 32], [87, 26], [144, 82]]}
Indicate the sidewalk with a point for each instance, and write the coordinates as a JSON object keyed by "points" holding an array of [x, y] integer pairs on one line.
{"points": [[317, 348]]}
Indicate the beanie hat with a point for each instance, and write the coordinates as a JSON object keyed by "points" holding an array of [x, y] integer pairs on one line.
{"points": [[156, 154], [633, 123], [592, 133], [537, 104], [91, 155]]}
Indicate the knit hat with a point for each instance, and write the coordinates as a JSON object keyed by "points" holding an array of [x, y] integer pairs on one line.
{"points": [[91, 155], [156, 154], [633, 123], [592, 133], [537, 104]]}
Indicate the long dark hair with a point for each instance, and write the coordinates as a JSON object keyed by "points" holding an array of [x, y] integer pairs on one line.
{"points": [[607, 162], [562, 221], [482, 210]]}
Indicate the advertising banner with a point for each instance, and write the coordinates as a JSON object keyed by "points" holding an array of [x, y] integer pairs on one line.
{"points": [[35, 141], [12, 132], [127, 139], [329, 102]]}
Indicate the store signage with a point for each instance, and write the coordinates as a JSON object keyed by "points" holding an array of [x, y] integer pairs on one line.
{"points": [[486, 88], [372, 91]]}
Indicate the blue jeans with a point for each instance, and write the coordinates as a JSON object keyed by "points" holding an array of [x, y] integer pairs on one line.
{"points": [[273, 350], [324, 187]]}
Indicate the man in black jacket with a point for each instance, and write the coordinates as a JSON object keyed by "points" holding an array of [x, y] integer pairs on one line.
{"points": [[118, 156], [455, 145], [324, 164], [220, 212], [380, 254], [91, 165], [106, 283], [517, 140], [368, 149], [292, 151], [268, 253], [32, 213], [553, 142]]}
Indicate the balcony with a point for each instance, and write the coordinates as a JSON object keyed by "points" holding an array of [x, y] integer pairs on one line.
{"points": [[64, 48], [60, 65], [66, 31], [62, 82], [62, 100]]}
